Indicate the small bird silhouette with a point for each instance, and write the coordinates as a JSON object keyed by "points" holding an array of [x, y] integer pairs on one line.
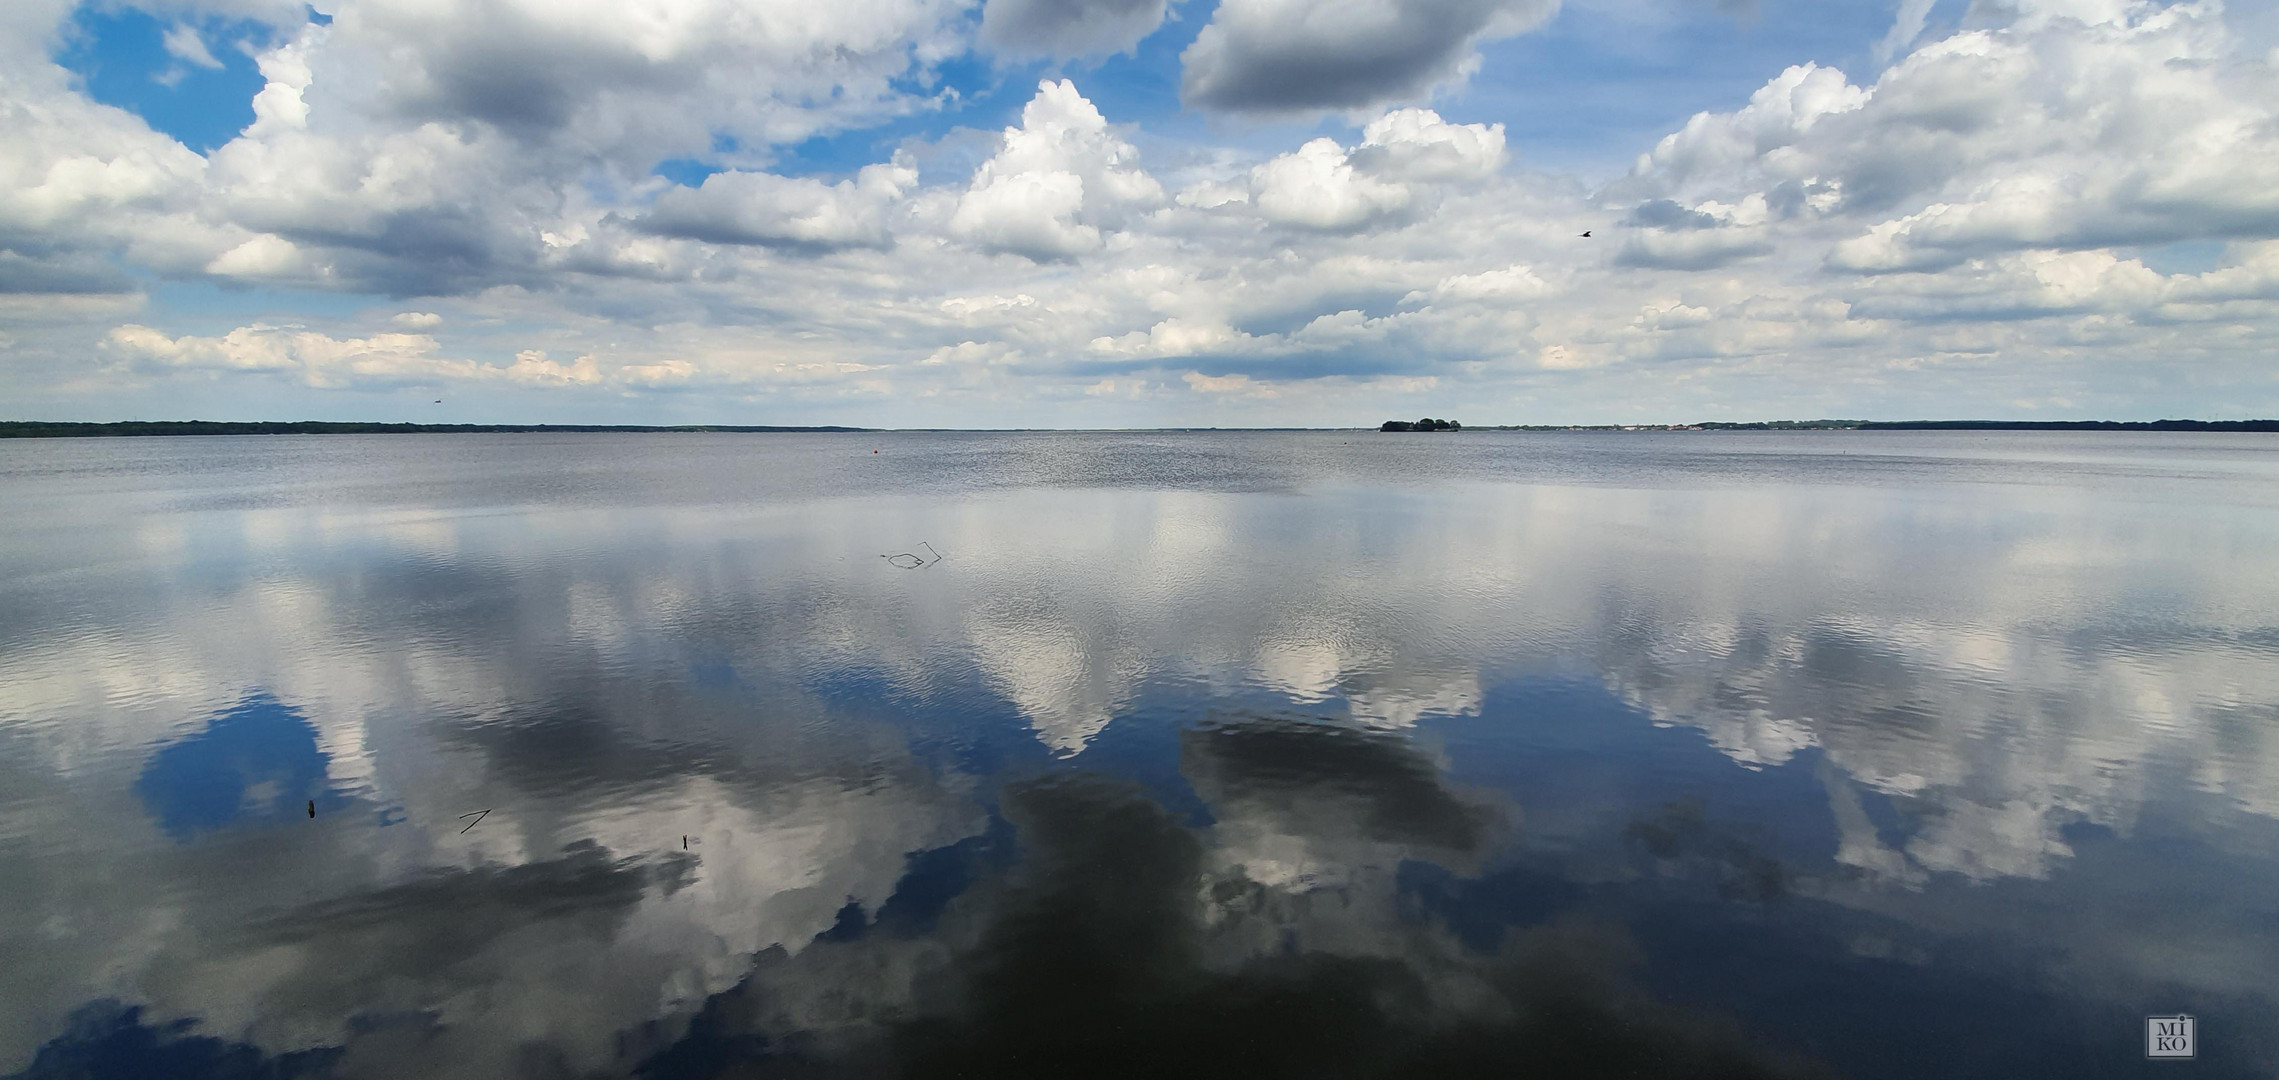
{"points": [[312, 808], [1586, 232], [439, 401]]}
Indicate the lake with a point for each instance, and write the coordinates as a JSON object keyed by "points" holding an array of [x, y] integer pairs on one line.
{"points": [[1889, 754]]}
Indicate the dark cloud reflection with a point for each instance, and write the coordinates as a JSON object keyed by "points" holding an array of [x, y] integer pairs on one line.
{"points": [[1101, 954], [440, 915], [1391, 792], [106, 1040]]}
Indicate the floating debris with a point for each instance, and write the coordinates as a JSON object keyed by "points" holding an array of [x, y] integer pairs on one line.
{"points": [[478, 815], [914, 561]]}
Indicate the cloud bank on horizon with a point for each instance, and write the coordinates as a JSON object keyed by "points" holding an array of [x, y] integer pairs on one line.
{"points": [[1137, 212]]}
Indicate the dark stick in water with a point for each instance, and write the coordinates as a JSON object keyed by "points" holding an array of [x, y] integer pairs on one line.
{"points": [[917, 561]]}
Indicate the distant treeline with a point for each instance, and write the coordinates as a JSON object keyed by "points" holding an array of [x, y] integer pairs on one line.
{"points": [[32, 429], [2004, 425], [1920, 425], [1426, 424]]}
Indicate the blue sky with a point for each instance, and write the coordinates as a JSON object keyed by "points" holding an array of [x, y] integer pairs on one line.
{"points": [[1133, 212], [121, 58]]}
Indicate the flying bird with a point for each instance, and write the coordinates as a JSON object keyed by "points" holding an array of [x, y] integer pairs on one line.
{"points": [[1586, 232]]}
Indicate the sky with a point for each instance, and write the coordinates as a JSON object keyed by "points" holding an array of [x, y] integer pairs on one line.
{"points": [[1138, 213]]}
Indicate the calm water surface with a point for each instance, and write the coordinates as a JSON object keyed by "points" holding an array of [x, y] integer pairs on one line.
{"points": [[1323, 754]]}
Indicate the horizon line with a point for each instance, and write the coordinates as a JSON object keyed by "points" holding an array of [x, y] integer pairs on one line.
{"points": [[181, 428]]}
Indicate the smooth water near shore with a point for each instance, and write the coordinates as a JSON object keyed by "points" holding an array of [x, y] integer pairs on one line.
{"points": [[1252, 754]]}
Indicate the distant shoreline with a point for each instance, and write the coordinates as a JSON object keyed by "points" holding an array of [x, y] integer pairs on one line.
{"points": [[29, 429], [1919, 425], [32, 429]]}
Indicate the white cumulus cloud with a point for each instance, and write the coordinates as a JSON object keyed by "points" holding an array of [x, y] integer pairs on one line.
{"points": [[2024, 210], [1055, 182], [762, 208]]}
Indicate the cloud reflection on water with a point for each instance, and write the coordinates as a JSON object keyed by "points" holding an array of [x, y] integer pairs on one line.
{"points": [[1115, 949], [1958, 697]]}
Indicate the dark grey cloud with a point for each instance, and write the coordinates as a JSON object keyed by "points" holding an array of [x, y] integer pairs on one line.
{"points": [[1672, 236], [498, 78], [1669, 214], [1692, 247], [1372, 299], [1068, 28], [429, 250], [1359, 362], [1276, 56], [63, 272], [606, 80]]}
